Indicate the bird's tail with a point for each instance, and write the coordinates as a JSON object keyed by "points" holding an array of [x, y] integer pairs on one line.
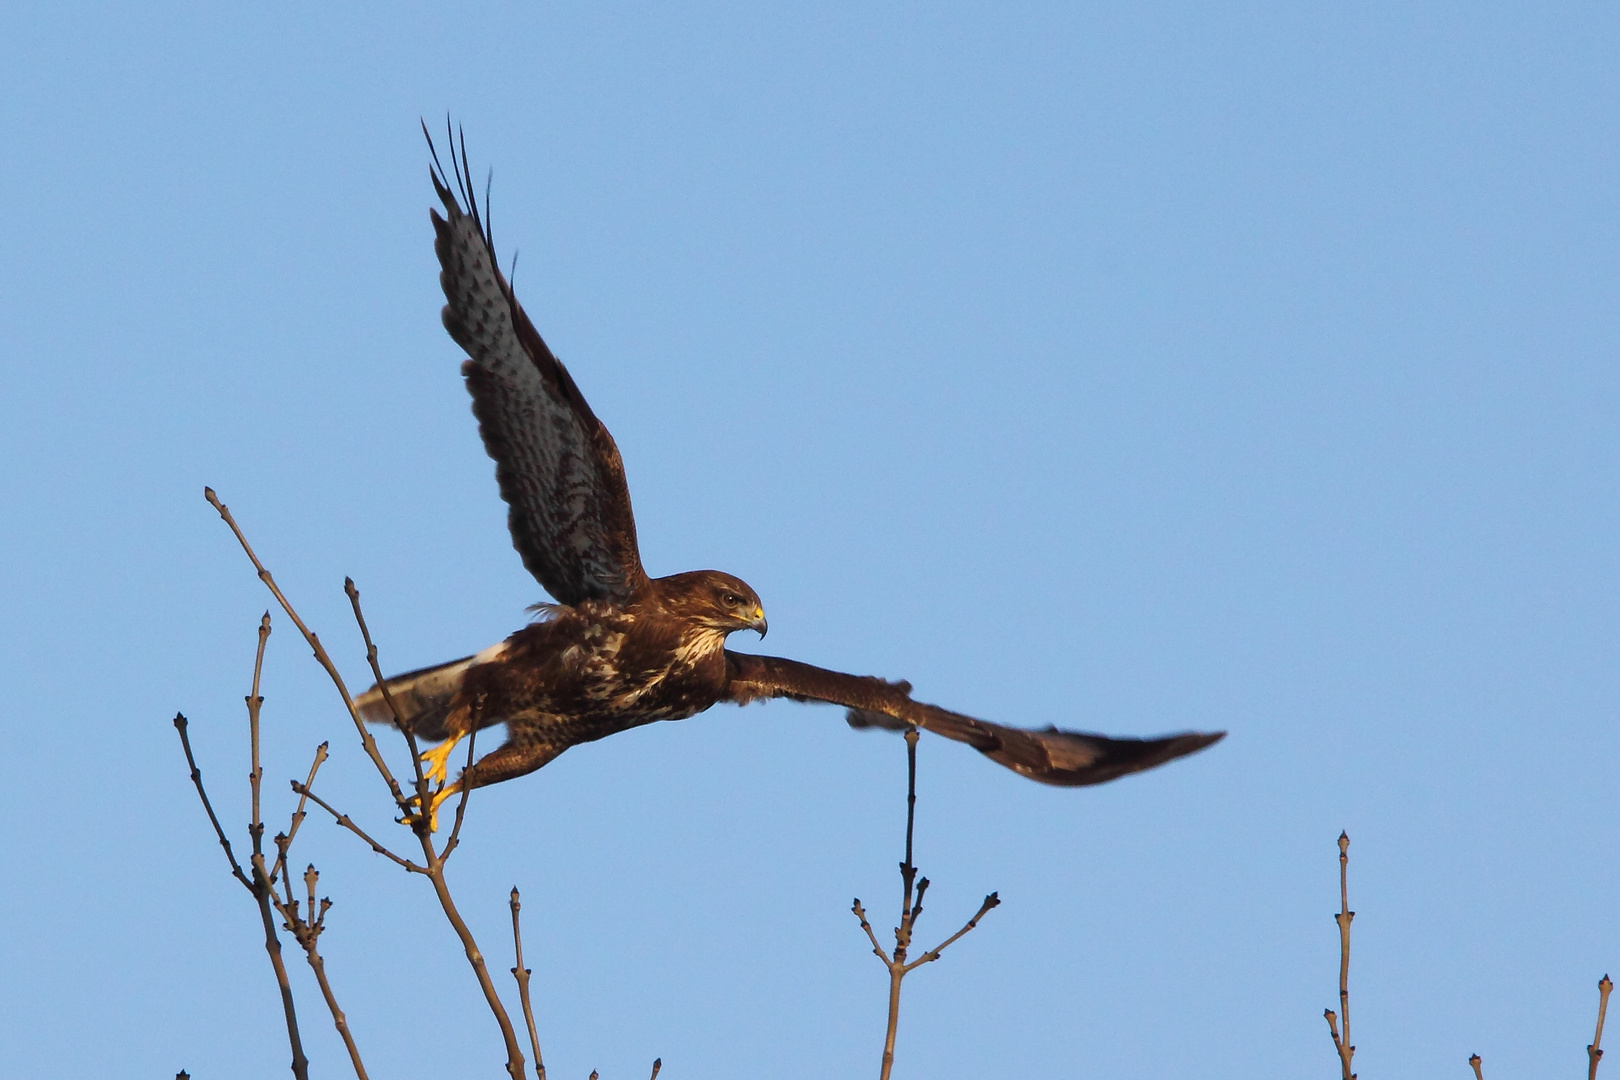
{"points": [[422, 697]]}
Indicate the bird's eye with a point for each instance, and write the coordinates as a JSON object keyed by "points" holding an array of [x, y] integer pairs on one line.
{"points": [[731, 599]]}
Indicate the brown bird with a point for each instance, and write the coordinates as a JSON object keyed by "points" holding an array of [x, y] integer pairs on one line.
{"points": [[619, 649]]}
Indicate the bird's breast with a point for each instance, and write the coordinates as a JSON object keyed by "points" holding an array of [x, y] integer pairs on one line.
{"points": [[606, 670]]}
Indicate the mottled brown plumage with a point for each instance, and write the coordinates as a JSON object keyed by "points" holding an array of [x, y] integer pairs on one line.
{"points": [[621, 649]]}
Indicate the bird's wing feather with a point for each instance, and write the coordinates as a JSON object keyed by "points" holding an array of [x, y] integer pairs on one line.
{"points": [[1052, 756], [558, 468]]}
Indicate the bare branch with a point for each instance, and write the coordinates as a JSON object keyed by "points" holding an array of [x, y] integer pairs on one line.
{"points": [[196, 779], [1342, 1044], [658, 1063], [420, 823], [348, 823], [308, 933], [371, 654], [897, 972], [911, 806], [912, 892], [366, 741], [265, 894], [318, 965], [421, 785], [514, 1054], [1594, 1052], [254, 701], [284, 840], [521, 974], [259, 886], [461, 803], [993, 900], [877, 950], [311, 877], [1475, 1060], [916, 906]]}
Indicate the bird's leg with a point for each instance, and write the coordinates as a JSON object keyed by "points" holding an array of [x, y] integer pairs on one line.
{"points": [[461, 720], [438, 758], [513, 758], [510, 760]]}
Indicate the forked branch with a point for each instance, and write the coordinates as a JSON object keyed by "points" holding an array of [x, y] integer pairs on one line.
{"points": [[259, 885], [912, 892], [432, 865], [284, 840], [306, 928]]}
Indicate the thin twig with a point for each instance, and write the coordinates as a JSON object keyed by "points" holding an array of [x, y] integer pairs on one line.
{"points": [[321, 657], [993, 900], [521, 974], [318, 965], [421, 785], [877, 949], [348, 823], [1342, 1043], [1594, 1052], [461, 803], [658, 1063], [264, 890], [1475, 1060], [284, 840], [254, 701], [196, 779], [907, 870], [909, 908]]}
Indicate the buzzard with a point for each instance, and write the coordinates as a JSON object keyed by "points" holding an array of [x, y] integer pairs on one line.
{"points": [[620, 649]]}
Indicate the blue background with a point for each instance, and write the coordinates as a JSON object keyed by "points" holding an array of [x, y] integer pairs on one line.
{"points": [[1132, 368]]}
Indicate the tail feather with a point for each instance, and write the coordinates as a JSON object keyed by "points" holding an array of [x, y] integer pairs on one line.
{"points": [[423, 698]]}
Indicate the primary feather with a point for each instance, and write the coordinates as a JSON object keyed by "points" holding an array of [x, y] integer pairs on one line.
{"points": [[558, 468]]}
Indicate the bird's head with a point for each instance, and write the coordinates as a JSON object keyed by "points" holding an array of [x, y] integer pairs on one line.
{"points": [[716, 600]]}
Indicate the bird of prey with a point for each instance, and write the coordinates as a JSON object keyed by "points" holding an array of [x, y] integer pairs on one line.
{"points": [[620, 649]]}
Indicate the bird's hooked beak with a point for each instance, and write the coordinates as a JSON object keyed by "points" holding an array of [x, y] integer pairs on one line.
{"points": [[759, 622]]}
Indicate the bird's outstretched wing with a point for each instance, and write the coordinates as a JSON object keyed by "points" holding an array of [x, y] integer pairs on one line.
{"points": [[1052, 756], [558, 468]]}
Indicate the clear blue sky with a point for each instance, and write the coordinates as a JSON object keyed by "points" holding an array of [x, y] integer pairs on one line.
{"points": [[1132, 368]]}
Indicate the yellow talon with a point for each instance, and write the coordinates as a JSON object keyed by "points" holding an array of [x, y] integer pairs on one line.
{"points": [[438, 759], [433, 807]]}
